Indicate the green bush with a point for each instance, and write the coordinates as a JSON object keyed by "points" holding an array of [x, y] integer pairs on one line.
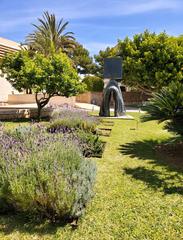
{"points": [[4, 206], [82, 134], [176, 126], [55, 181], [167, 105], [94, 83], [67, 125], [90, 144]]}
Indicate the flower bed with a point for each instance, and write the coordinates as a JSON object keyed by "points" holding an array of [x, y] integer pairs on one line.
{"points": [[45, 172]]}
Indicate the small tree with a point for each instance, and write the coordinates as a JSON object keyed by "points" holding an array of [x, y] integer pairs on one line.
{"points": [[53, 75]]}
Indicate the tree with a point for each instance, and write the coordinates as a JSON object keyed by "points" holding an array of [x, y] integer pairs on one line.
{"points": [[167, 105], [53, 75], [93, 83], [150, 61], [82, 60], [50, 36]]}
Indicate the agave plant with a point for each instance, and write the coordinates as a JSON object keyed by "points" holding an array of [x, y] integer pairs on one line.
{"points": [[167, 105], [50, 35]]}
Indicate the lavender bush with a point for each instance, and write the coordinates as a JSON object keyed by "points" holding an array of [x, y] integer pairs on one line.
{"points": [[80, 127], [68, 119], [72, 113], [44, 173]]}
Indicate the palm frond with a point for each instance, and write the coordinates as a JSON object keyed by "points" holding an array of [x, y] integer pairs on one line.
{"points": [[50, 33], [167, 105]]}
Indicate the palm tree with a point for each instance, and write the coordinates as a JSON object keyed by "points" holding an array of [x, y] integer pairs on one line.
{"points": [[50, 35]]}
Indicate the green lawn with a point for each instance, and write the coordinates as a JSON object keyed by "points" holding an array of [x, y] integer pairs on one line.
{"points": [[138, 195]]}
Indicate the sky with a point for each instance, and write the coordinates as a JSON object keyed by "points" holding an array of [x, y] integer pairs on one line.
{"points": [[95, 23]]}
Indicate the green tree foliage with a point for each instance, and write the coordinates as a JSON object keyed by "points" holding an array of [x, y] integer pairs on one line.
{"points": [[93, 83], [53, 75], [50, 36], [167, 105], [82, 60], [150, 61]]}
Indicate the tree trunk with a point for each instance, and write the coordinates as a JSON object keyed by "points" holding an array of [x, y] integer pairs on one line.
{"points": [[41, 103], [39, 108]]}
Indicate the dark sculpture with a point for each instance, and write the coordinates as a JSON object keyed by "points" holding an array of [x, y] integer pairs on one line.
{"points": [[112, 70]]}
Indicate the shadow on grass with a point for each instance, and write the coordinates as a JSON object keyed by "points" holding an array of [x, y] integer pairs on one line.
{"points": [[19, 223], [168, 178], [169, 184], [146, 150]]}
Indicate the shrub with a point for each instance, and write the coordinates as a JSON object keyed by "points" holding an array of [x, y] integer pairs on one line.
{"points": [[94, 83], [78, 126], [51, 179], [69, 125], [66, 120], [90, 144], [167, 105], [72, 113]]}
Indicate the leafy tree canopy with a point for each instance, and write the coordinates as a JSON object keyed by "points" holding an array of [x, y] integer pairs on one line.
{"points": [[53, 75], [93, 83], [82, 60], [150, 61]]}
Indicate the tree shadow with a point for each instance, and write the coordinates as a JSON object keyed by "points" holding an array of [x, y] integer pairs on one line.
{"points": [[169, 184], [168, 178], [10, 223], [146, 150]]}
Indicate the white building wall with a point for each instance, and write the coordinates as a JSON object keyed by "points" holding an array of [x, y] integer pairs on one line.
{"points": [[6, 46], [5, 89]]}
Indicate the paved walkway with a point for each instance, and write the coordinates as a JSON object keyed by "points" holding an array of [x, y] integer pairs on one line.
{"points": [[87, 106], [93, 107], [19, 106]]}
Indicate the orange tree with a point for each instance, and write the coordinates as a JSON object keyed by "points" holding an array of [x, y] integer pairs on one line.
{"points": [[52, 75]]}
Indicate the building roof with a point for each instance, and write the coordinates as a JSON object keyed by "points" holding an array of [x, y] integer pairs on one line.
{"points": [[9, 43], [8, 46]]}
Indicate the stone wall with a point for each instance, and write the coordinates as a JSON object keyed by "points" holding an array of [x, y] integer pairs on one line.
{"points": [[30, 98], [134, 97], [19, 113], [130, 98], [88, 97]]}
